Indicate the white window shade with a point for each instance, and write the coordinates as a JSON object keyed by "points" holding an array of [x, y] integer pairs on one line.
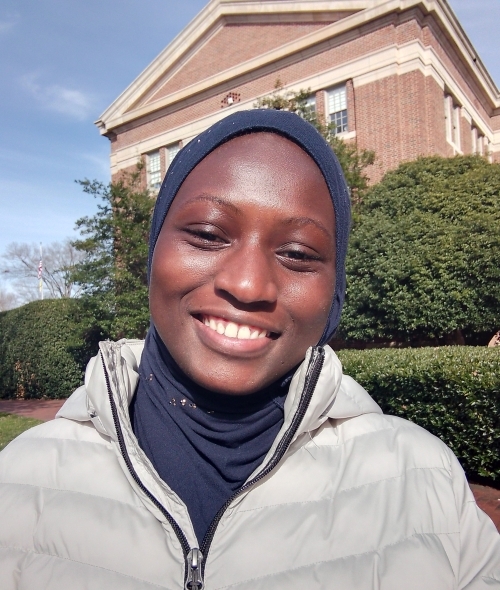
{"points": [[154, 170], [337, 109], [337, 100]]}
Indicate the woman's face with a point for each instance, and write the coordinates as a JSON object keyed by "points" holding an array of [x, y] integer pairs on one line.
{"points": [[243, 271]]}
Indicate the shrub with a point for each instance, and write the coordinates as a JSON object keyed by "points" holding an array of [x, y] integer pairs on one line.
{"points": [[39, 350], [424, 262], [454, 392]]}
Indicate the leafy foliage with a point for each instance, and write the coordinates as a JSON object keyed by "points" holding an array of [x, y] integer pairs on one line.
{"points": [[454, 392], [353, 161], [424, 261], [113, 273], [39, 350]]}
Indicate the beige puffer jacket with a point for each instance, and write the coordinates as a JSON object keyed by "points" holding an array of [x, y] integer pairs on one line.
{"points": [[347, 499]]}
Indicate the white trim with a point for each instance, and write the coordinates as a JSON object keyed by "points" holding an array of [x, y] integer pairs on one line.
{"points": [[347, 135]]}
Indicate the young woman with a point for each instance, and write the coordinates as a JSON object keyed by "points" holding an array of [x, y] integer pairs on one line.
{"points": [[228, 451]]}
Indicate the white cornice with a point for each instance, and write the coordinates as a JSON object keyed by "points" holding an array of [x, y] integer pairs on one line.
{"points": [[389, 61], [122, 111]]}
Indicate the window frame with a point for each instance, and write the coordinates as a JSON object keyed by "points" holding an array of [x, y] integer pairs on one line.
{"points": [[337, 114]]}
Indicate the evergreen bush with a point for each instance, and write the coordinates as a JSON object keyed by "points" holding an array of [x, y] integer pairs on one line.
{"points": [[451, 391], [40, 354]]}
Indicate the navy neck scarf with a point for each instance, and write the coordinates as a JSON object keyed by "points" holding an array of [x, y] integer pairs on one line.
{"points": [[205, 445]]}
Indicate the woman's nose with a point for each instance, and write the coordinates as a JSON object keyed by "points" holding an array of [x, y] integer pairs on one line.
{"points": [[247, 275]]}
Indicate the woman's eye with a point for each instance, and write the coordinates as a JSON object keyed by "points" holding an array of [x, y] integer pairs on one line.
{"points": [[205, 236], [297, 255], [299, 259]]}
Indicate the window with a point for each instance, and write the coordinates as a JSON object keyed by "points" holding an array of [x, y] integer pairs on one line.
{"points": [[337, 109], [172, 151], [154, 170], [452, 117]]}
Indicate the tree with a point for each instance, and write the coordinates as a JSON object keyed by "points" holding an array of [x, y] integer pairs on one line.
{"points": [[352, 160], [113, 272], [8, 300], [424, 258], [59, 259]]}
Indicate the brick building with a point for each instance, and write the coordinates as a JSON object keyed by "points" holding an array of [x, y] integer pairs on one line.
{"points": [[399, 77]]}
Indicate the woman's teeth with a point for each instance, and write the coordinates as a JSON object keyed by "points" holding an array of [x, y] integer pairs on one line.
{"points": [[232, 330]]}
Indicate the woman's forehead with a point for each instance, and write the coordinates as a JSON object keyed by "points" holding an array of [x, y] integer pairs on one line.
{"points": [[256, 159]]}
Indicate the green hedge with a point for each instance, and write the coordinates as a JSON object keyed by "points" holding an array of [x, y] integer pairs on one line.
{"points": [[39, 350], [452, 391]]}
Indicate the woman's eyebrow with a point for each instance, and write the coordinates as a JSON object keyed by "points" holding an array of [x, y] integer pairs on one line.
{"points": [[299, 221], [217, 201], [308, 221]]}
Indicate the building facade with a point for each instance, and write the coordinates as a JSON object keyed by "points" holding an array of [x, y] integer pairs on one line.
{"points": [[399, 77]]}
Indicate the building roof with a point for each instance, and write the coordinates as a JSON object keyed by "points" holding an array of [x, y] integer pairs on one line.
{"points": [[200, 57]]}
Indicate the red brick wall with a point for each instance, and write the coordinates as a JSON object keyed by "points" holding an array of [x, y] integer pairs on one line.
{"points": [[320, 105], [377, 123], [351, 106], [230, 46], [288, 71], [465, 136], [495, 123], [400, 118], [436, 128]]}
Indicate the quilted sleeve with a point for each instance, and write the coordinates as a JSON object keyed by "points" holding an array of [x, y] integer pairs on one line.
{"points": [[479, 539]]}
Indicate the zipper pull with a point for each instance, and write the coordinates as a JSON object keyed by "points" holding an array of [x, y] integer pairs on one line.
{"points": [[194, 580]]}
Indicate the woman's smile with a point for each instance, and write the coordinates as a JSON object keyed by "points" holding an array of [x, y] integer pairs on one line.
{"points": [[234, 329], [243, 271], [232, 339]]}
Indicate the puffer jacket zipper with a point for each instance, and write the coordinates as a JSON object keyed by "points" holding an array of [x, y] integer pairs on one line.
{"points": [[195, 559], [313, 371]]}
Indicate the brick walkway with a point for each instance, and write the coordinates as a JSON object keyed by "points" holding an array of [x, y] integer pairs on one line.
{"points": [[33, 408], [487, 498]]}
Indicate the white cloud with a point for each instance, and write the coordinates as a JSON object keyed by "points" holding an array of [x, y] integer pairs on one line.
{"points": [[66, 101], [7, 22], [101, 163]]}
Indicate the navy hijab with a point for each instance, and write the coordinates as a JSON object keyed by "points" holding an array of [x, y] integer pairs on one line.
{"points": [[293, 128], [205, 445]]}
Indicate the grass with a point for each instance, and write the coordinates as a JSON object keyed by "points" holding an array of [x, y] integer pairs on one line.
{"points": [[12, 426]]}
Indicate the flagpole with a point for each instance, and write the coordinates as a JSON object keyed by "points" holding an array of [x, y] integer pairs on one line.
{"points": [[40, 273]]}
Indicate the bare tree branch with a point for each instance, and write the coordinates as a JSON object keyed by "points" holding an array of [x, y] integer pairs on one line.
{"points": [[8, 300], [59, 259]]}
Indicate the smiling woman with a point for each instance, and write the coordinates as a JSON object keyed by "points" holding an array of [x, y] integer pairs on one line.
{"points": [[228, 450], [252, 249]]}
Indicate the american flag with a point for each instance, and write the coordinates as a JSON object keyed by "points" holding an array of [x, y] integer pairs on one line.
{"points": [[40, 274]]}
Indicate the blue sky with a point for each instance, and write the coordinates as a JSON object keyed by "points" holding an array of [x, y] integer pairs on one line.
{"points": [[63, 62]]}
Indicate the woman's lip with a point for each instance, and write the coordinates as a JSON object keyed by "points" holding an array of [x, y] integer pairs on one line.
{"points": [[230, 346]]}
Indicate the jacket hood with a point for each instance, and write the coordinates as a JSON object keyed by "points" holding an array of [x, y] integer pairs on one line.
{"points": [[336, 396]]}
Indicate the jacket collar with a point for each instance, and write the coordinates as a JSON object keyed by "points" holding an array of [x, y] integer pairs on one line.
{"points": [[336, 396]]}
